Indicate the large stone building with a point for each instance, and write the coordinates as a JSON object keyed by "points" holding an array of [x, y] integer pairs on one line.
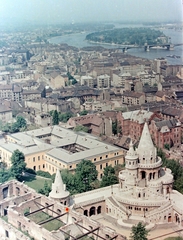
{"points": [[27, 215], [144, 193], [55, 147]]}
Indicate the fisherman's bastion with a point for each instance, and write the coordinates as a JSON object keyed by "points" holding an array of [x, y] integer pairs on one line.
{"points": [[144, 194]]}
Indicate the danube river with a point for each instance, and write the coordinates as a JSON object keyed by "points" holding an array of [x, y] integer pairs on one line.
{"points": [[78, 40]]}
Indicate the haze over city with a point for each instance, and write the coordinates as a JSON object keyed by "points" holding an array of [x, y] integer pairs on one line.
{"points": [[71, 11]]}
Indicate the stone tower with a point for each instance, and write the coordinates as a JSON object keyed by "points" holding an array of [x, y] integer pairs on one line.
{"points": [[59, 191]]}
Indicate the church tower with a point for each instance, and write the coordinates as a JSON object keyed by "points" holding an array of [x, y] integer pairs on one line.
{"points": [[59, 191]]}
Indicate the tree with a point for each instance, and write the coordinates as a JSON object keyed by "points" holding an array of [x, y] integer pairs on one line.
{"points": [[84, 112], [46, 189], [114, 127], [139, 232], [85, 174], [21, 122], [55, 118], [14, 128], [18, 164], [82, 128], [64, 117], [74, 81], [109, 177]]}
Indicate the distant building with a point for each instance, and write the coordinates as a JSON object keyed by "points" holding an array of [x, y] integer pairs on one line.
{"points": [[103, 81]]}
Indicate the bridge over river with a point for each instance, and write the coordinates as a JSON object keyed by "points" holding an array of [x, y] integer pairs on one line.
{"points": [[166, 46]]}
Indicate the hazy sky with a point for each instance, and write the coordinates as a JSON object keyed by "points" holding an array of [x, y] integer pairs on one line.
{"points": [[58, 11]]}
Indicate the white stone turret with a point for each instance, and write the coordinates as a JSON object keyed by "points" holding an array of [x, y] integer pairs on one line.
{"points": [[59, 191], [131, 158], [146, 149]]}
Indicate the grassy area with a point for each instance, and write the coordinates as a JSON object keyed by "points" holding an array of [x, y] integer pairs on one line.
{"points": [[36, 182], [53, 225], [39, 217], [42, 216]]}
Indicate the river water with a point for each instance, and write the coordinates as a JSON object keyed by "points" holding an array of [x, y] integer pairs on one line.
{"points": [[78, 40]]}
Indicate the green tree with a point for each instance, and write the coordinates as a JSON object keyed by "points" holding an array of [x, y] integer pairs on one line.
{"points": [[84, 112], [18, 164], [64, 117], [114, 127], [55, 118], [14, 128], [4, 175], [167, 146], [82, 128], [85, 174], [74, 81], [139, 232], [21, 122], [109, 177]]}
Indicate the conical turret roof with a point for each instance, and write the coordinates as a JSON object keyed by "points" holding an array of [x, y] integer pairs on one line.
{"points": [[146, 149], [58, 188]]}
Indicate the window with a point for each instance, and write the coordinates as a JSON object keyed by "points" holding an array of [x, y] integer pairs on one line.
{"points": [[33, 159], [7, 233], [38, 157], [95, 159], [106, 156], [100, 158], [106, 164], [100, 166], [70, 166]]}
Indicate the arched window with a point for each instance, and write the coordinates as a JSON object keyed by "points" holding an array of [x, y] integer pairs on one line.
{"points": [[99, 209], [139, 195], [92, 211], [86, 212]]}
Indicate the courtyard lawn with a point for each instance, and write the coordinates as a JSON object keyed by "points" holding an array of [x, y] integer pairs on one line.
{"points": [[36, 182], [42, 216]]}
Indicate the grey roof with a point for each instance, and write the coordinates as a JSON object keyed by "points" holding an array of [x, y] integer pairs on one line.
{"points": [[169, 123], [138, 115]]}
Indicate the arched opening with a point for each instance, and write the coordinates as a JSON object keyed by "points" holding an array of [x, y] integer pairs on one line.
{"points": [[5, 192], [99, 209], [159, 174], [106, 210], [168, 190], [154, 175], [65, 203], [177, 220], [92, 211], [150, 176], [139, 195], [17, 191], [34, 168], [169, 218], [86, 212], [143, 173]]}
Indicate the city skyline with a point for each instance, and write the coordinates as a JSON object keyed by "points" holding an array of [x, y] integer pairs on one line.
{"points": [[72, 11]]}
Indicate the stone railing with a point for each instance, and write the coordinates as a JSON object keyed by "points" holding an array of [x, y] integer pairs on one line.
{"points": [[150, 165], [96, 200], [140, 202], [158, 210]]}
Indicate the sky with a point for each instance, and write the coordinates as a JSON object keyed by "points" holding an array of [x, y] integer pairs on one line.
{"points": [[74, 11]]}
